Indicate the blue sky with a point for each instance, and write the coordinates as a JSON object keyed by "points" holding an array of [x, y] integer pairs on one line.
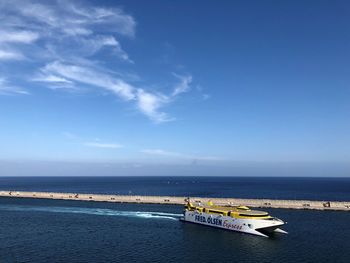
{"points": [[175, 82]]}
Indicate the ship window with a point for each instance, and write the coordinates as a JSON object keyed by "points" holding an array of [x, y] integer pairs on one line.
{"points": [[242, 208], [252, 215], [215, 212]]}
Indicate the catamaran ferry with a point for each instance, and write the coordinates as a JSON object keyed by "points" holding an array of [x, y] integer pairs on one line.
{"points": [[239, 218]]}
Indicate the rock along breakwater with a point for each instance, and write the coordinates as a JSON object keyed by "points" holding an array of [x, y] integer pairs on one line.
{"points": [[177, 200]]}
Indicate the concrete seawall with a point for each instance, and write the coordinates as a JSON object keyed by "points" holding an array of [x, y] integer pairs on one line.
{"points": [[175, 200]]}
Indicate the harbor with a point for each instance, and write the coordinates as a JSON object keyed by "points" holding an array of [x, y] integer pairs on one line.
{"points": [[325, 205]]}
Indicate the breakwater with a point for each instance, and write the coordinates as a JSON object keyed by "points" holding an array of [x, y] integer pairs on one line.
{"points": [[176, 200]]}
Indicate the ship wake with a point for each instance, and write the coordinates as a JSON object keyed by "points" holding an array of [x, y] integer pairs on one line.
{"points": [[93, 211]]}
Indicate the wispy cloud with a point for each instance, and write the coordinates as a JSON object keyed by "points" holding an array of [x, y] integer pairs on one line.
{"points": [[205, 96], [51, 78], [10, 55], [161, 152], [67, 17], [150, 104], [90, 76], [54, 82], [63, 42], [7, 89], [103, 145], [95, 143], [183, 86], [9, 41], [69, 29], [18, 36]]}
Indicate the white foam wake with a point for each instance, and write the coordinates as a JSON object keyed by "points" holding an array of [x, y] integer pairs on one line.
{"points": [[92, 211]]}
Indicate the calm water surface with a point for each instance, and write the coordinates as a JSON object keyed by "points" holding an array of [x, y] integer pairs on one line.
{"points": [[244, 187], [73, 231], [34, 230]]}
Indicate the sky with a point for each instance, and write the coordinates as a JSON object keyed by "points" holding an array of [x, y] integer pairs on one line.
{"points": [[175, 87]]}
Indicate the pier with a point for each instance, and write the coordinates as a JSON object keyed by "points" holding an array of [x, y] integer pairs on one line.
{"points": [[176, 200]]}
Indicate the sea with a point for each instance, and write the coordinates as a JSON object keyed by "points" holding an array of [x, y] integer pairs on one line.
{"points": [[40, 230]]}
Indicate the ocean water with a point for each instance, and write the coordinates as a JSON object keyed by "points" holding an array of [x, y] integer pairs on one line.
{"points": [[34, 230], [38, 230], [240, 187]]}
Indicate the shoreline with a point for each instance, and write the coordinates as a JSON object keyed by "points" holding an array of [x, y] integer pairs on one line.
{"points": [[178, 200]]}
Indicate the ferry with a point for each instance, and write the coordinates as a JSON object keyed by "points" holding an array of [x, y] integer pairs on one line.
{"points": [[238, 218]]}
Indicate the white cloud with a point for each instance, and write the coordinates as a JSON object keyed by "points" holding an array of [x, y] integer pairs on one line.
{"points": [[62, 15], [68, 28], [115, 17], [10, 55], [92, 44], [74, 39], [25, 37], [95, 143], [76, 31], [51, 78], [55, 82], [37, 12], [103, 145], [6, 89], [150, 104], [183, 86], [160, 152], [90, 76]]}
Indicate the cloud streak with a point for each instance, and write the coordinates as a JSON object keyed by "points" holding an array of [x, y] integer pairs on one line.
{"points": [[64, 43], [7, 89], [183, 86], [10, 41], [148, 103], [88, 75], [10, 55], [103, 145], [160, 152], [20, 36]]}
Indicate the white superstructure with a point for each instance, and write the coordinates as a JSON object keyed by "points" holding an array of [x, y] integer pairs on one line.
{"points": [[240, 219]]}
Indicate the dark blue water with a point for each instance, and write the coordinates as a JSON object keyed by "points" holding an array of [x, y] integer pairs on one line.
{"points": [[240, 187], [34, 230]]}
